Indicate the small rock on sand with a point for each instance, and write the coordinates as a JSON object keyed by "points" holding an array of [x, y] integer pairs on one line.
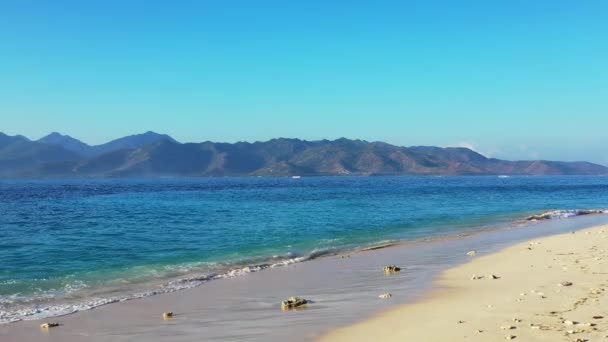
{"points": [[167, 315], [507, 327], [49, 325], [565, 283], [510, 337], [492, 276], [391, 269], [293, 302]]}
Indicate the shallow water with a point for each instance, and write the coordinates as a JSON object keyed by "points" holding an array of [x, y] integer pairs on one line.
{"points": [[68, 245]]}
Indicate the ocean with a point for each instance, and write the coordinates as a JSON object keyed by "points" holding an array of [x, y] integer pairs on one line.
{"points": [[72, 245]]}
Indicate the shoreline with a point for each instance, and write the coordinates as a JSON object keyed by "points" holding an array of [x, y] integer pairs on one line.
{"points": [[260, 293], [546, 289], [196, 278]]}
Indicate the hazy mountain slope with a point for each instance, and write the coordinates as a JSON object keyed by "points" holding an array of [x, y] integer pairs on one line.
{"points": [[128, 142], [131, 142], [67, 142], [19, 156], [153, 154]]}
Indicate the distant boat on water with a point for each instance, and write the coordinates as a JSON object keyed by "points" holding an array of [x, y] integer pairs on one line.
{"points": [[503, 176], [296, 177]]}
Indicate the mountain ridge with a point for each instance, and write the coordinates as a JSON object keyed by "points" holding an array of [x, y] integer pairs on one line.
{"points": [[154, 155], [86, 150]]}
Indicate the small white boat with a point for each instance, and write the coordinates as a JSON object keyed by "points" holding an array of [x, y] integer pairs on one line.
{"points": [[503, 176], [296, 177]]}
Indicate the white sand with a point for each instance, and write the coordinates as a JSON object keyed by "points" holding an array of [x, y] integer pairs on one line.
{"points": [[526, 303]]}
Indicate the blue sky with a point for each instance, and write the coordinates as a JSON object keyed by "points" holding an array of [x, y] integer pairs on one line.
{"points": [[514, 79]]}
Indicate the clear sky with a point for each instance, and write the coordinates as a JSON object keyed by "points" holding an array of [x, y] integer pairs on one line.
{"points": [[513, 79]]}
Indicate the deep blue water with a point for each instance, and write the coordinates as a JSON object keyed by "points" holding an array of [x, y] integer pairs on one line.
{"points": [[64, 242]]}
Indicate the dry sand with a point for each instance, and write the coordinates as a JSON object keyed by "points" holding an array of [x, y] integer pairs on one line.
{"points": [[528, 301]]}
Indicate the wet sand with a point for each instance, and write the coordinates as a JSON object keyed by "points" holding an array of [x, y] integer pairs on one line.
{"points": [[548, 289], [344, 290]]}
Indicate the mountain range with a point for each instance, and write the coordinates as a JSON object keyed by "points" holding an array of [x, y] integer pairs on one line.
{"points": [[153, 155]]}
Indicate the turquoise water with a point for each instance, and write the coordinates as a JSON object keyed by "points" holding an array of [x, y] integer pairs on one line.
{"points": [[68, 245]]}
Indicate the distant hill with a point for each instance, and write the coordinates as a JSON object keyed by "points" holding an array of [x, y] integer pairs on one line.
{"points": [[68, 143], [19, 155], [152, 154], [129, 142]]}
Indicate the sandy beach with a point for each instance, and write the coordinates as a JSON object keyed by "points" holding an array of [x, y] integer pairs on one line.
{"points": [[547, 289]]}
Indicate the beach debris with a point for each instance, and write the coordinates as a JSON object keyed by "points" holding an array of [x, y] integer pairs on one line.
{"points": [[472, 253], [391, 269], [565, 283], [476, 277], [293, 302], [516, 320], [568, 322], [385, 296], [596, 291], [507, 327], [598, 317], [48, 325], [492, 276], [534, 326], [167, 315], [460, 322], [510, 337], [478, 331]]}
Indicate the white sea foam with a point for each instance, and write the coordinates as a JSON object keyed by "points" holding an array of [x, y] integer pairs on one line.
{"points": [[38, 311], [562, 214]]}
